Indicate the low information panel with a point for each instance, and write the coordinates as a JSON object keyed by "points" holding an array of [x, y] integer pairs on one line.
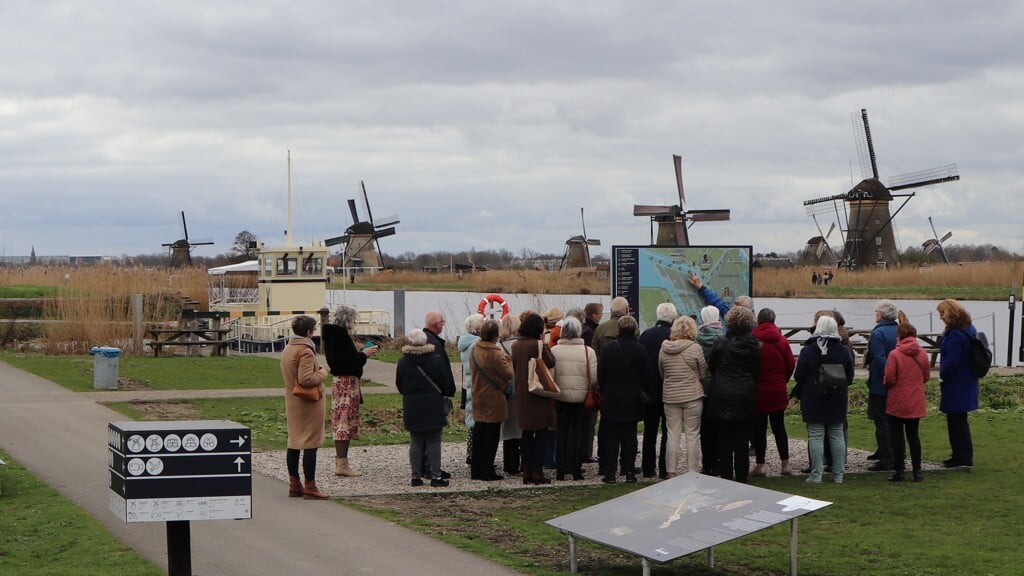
{"points": [[683, 515], [650, 275], [186, 470]]}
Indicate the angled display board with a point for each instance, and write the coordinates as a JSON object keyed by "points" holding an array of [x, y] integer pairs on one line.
{"points": [[179, 471], [650, 275], [686, 514]]}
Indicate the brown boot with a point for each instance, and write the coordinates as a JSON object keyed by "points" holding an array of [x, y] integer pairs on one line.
{"points": [[294, 487], [341, 468], [311, 492]]}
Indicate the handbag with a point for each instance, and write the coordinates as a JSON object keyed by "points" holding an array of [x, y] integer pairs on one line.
{"points": [[312, 393], [446, 401], [592, 401], [831, 379], [539, 377]]}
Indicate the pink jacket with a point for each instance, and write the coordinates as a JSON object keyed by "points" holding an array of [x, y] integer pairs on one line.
{"points": [[906, 371]]}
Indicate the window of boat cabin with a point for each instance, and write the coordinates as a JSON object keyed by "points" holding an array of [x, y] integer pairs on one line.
{"points": [[312, 266], [286, 266]]}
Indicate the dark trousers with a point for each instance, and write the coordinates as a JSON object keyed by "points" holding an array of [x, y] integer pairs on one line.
{"points": [[620, 442], [733, 448], [510, 457], [760, 439], [485, 447], [654, 419], [960, 438], [533, 444], [709, 444], [591, 432], [308, 462], [876, 412], [572, 421], [899, 452]]}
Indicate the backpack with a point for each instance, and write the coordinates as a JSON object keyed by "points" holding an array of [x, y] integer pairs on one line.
{"points": [[831, 379], [979, 354]]}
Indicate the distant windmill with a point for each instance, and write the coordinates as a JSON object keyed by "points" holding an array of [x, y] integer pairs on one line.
{"points": [[674, 221], [931, 244], [577, 248], [870, 238], [361, 239], [819, 244], [181, 249]]}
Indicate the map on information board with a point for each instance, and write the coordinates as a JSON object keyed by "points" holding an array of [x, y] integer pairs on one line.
{"points": [[650, 275]]}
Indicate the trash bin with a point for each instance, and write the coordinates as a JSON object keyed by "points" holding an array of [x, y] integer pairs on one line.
{"points": [[104, 367]]}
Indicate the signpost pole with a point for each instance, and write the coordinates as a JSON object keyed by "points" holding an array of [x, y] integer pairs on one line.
{"points": [[572, 554], [1009, 340], [711, 556], [792, 547], [646, 563], [179, 548]]}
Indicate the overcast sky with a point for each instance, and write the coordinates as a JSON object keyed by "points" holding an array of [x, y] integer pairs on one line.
{"points": [[488, 125]]}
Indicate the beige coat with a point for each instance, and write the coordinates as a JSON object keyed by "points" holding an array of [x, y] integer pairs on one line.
{"points": [[682, 367], [491, 372], [571, 360], [305, 419]]}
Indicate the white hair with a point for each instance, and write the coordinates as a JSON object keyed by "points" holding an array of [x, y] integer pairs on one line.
{"points": [[416, 337], [666, 312], [826, 327], [709, 314]]}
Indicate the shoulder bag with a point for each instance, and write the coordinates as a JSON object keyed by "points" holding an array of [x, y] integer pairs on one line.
{"points": [[592, 401], [446, 401], [539, 380]]}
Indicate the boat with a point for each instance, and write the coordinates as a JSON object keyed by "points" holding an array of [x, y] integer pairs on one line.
{"points": [[258, 299]]}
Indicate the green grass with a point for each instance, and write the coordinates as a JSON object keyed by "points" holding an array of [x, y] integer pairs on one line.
{"points": [[28, 291], [381, 414], [922, 292], [43, 533]]}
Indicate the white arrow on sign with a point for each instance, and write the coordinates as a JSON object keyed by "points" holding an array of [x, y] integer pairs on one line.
{"points": [[239, 461], [239, 441]]}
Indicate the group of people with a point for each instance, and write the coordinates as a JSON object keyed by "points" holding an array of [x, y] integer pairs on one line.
{"points": [[713, 383]]}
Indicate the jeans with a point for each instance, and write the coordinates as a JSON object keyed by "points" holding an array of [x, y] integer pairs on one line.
{"points": [[429, 443], [816, 432], [680, 417], [959, 431], [876, 413], [760, 440]]}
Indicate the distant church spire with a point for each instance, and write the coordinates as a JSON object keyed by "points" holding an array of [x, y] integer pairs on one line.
{"points": [[32, 256]]}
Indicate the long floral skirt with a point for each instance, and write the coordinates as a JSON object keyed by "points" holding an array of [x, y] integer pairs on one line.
{"points": [[345, 398]]}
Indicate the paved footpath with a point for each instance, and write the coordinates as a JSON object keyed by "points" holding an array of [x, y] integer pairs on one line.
{"points": [[61, 437]]}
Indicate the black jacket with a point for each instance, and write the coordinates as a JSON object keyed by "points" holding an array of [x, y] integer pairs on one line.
{"points": [[734, 362], [422, 408], [622, 377], [652, 339], [342, 357], [818, 408]]}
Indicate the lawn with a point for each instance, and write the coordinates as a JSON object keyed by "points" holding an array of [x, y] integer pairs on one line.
{"points": [[43, 533]]}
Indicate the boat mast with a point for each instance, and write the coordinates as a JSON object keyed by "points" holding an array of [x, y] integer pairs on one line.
{"points": [[289, 231]]}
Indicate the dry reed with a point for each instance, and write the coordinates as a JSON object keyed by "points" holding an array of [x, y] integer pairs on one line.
{"points": [[796, 282]]}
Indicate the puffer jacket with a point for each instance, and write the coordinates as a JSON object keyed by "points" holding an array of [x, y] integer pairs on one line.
{"points": [[682, 367], [777, 365], [906, 371], [735, 364], [571, 361]]}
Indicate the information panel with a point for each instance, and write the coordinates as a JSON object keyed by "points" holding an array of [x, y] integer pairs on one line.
{"points": [[185, 470], [650, 275], [683, 515]]}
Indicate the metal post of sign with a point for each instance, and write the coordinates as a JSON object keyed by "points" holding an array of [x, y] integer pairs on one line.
{"points": [[646, 563], [179, 548], [1009, 339], [572, 554], [711, 557], [792, 547]]}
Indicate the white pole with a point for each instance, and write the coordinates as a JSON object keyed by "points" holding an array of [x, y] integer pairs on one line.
{"points": [[289, 231]]}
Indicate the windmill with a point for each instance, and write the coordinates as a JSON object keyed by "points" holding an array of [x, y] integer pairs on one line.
{"points": [[870, 238], [362, 238], [674, 221], [181, 249], [577, 248], [819, 244], [931, 244]]}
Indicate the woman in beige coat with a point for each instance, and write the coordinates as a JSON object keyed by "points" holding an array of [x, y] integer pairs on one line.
{"points": [[575, 371], [299, 367], [683, 368]]}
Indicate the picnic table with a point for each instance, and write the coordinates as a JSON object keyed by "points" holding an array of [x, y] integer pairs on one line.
{"points": [[859, 340], [190, 332]]}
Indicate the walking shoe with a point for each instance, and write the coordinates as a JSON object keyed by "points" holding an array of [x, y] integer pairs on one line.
{"points": [[813, 480], [880, 467], [918, 476], [896, 477], [609, 479], [872, 456], [758, 473], [837, 478], [631, 478], [953, 463], [438, 483], [417, 482]]}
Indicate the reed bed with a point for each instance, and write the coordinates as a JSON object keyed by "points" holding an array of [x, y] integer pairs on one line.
{"points": [[93, 304], [574, 281]]}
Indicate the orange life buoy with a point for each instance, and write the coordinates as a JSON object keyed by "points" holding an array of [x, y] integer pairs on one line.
{"points": [[486, 301]]}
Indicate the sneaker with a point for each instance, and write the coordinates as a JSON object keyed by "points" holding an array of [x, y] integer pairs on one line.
{"points": [[813, 480], [631, 478], [438, 483], [880, 467], [609, 479], [755, 473], [837, 478], [417, 482]]}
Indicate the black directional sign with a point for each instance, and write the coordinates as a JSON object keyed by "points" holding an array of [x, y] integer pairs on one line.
{"points": [[183, 470]]}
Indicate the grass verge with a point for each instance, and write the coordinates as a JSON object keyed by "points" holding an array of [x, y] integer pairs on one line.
{"points": [[43, 533]]}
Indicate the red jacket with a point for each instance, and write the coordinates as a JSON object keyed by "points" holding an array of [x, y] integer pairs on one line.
{"points": [[777, 364], [906, 371]]}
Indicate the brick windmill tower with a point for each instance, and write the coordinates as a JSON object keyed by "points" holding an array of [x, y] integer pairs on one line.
{"points": [[674, 221]]}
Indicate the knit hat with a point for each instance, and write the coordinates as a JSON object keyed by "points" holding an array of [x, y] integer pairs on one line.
{"points": [[552, 316]]}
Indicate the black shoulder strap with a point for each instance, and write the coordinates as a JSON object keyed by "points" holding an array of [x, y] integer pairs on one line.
{"points": [[429, 379]]}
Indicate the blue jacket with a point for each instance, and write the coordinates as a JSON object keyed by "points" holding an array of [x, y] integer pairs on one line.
{"points": [[714, 300], [958, 386], [881, 342]]}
